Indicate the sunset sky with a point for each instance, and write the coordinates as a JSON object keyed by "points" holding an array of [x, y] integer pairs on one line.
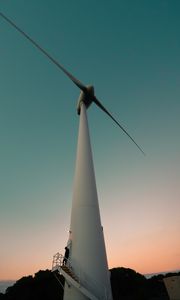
{"points": [[130, 51]]}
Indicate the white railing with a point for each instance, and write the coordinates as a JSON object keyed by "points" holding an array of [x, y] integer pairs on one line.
{"points": [[59, 260]]}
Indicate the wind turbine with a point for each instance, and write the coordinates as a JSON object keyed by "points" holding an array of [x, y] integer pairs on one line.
{"points": [[86, 274]]}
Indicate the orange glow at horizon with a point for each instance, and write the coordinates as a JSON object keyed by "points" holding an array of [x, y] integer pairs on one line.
{"points": [[151, 254]]}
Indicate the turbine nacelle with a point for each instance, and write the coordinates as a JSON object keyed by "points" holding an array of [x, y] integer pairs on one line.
{"points": [[87, 92], [85, 97]]}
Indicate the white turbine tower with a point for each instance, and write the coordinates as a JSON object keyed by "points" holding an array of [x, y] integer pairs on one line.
{"points": [[86, 270]]}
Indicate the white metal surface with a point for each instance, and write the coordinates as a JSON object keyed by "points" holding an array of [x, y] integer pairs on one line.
{"points": [[87, 253]]}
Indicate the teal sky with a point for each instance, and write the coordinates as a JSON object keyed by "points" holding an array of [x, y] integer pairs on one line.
{"points": [[130, 51]]}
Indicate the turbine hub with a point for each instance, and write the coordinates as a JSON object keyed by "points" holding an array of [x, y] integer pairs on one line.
{"points": [[86, 98]]}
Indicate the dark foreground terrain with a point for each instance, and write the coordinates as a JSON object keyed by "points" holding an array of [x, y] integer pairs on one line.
{"points": [[126, 285]]}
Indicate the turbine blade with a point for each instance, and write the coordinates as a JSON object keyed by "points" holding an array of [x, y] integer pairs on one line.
{"points": [[79, 84], [98, 103]]}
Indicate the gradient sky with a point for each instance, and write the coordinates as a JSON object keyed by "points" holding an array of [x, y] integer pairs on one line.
{"points": [[130, 51]]}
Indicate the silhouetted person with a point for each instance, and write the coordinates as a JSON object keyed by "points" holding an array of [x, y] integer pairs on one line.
{"points": [[66, 256]]}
